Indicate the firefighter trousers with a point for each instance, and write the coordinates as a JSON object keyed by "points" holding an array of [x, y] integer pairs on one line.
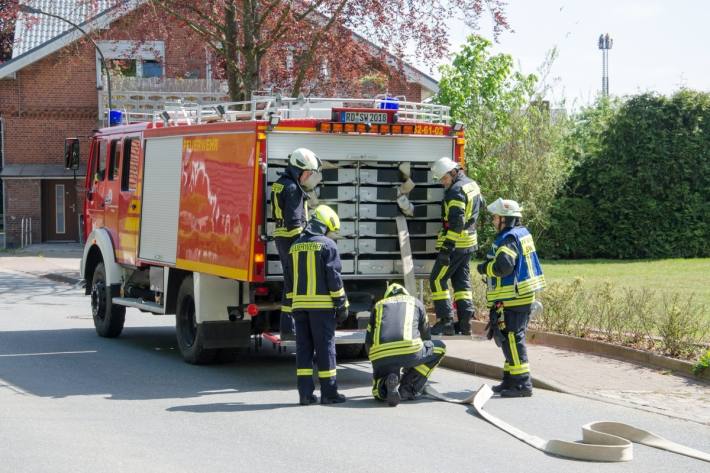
{"points": [[416, 369], [315, 341], [286, 324], [516, 368], [459, 272]]}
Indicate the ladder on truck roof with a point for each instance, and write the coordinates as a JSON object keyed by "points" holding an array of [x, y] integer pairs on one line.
{"points": [[264, 107]]}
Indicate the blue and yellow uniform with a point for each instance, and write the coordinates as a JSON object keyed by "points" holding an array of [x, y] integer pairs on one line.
{"points": [[318, 294], [514, 276], [398, 338], [457, 241]]}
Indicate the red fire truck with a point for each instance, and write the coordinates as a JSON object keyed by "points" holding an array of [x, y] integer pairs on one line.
{"points": [[177, 216]]}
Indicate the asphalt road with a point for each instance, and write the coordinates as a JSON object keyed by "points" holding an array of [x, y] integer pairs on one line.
{"points": [[73, 402]]}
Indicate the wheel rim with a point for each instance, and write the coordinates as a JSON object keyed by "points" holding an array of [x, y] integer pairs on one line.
{"points": [[98, 300], [188, 322]]}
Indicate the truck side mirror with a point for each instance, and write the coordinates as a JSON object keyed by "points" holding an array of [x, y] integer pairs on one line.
{"points": [[71, 153]]}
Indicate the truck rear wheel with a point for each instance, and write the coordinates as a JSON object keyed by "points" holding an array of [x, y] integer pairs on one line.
{"points": [[189, 332], [108, 318]]}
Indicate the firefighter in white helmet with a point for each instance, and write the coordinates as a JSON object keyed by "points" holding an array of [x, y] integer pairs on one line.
{"points": [[457, 241], [514, 276], [290, 212]]}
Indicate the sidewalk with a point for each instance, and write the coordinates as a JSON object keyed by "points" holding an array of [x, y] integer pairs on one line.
{"points": [[581, 374]]}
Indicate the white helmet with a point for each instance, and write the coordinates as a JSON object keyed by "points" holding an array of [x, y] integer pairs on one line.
{"points": [[304, 159], [505, 208], [441, 167]]}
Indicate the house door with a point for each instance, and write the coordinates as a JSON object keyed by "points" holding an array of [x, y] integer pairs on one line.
{"points": [[59, 211]]}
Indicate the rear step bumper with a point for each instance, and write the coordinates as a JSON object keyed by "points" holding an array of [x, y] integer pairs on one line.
{"points": [[342, 337]]}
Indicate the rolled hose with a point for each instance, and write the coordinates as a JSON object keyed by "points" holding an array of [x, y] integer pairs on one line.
{"points": [[602, 441]]}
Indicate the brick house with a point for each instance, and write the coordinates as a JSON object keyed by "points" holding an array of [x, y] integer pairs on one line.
{"points": [[53, 88]]}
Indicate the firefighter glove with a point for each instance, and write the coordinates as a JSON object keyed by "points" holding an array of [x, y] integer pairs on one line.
{"points": [[481, 268], [341, 314]]}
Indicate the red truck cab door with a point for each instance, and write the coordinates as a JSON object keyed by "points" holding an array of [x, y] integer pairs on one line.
{"points": [[95, 185], [112, 190], [129, 201]]}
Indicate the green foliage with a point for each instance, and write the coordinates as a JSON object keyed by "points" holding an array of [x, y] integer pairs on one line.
{"points": [[633, 317], [641, 186], [702, 364], [514, 144]]}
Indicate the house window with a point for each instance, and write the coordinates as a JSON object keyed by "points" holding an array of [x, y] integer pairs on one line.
{"points": [[151, 68], [59, 208], [132, 58]]}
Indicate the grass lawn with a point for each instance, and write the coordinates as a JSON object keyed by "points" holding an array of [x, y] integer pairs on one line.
{"points": [[683, 276]]}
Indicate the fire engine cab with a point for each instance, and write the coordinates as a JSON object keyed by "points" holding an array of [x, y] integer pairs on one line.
{"points": [[177, 217]]}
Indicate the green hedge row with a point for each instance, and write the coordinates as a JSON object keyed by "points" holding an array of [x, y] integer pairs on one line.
{"points": [[644, 190]]}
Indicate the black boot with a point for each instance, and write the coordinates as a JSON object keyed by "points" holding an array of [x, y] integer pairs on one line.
{"points": [[504, 385], [336, 399], [465, 325], [443, 327], [391, 385], [406, 393], [517, 391], [308, 400]]}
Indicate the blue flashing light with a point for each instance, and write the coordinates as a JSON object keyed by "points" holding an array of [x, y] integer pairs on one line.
{"points": [[389, 103], [115, 117]]}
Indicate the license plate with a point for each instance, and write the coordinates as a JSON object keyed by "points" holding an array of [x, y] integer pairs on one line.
{"points": [[364, 117]]}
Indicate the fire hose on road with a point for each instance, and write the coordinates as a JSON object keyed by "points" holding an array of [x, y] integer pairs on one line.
{"points": [[602, 441]]}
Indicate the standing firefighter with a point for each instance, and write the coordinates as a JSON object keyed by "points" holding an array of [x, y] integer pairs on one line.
{"points": [[398, 337], [456, 243], [289, 209], [319, 301], [514, 275]]}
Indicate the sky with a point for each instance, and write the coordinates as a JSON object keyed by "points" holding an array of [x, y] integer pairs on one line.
{"points": [[659, 45]]}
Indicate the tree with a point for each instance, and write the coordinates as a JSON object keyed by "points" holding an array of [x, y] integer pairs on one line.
{"points": [[298, 45], [301, 45], [8, 9], [642, 184], [514, 144]]}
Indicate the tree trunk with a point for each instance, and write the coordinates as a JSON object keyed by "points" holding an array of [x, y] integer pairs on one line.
{"points": [[252, 54], [231, 52]]}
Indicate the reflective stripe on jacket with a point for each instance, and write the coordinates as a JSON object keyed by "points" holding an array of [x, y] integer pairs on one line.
{"points": [[316, 274], [459, 210], [288, 206], [397, 326], [517, 287]]}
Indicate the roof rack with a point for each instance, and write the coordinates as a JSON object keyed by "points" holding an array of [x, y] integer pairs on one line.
{"points": [[263, 107]]}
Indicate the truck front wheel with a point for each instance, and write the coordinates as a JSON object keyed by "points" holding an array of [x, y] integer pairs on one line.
{"points": [[108, 318], [189, 332]]}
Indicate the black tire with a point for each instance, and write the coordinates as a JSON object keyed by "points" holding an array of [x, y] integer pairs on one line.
{"points": [[350, 351], [189, 333], [108, 318]]}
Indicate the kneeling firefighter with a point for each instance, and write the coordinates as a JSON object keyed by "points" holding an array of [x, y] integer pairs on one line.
{"points": [[319, 303], [290, 212], [514, 276], [398, 338]]}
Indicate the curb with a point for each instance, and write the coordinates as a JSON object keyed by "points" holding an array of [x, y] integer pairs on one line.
{"points": [[644, 358], [492, 371]]}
